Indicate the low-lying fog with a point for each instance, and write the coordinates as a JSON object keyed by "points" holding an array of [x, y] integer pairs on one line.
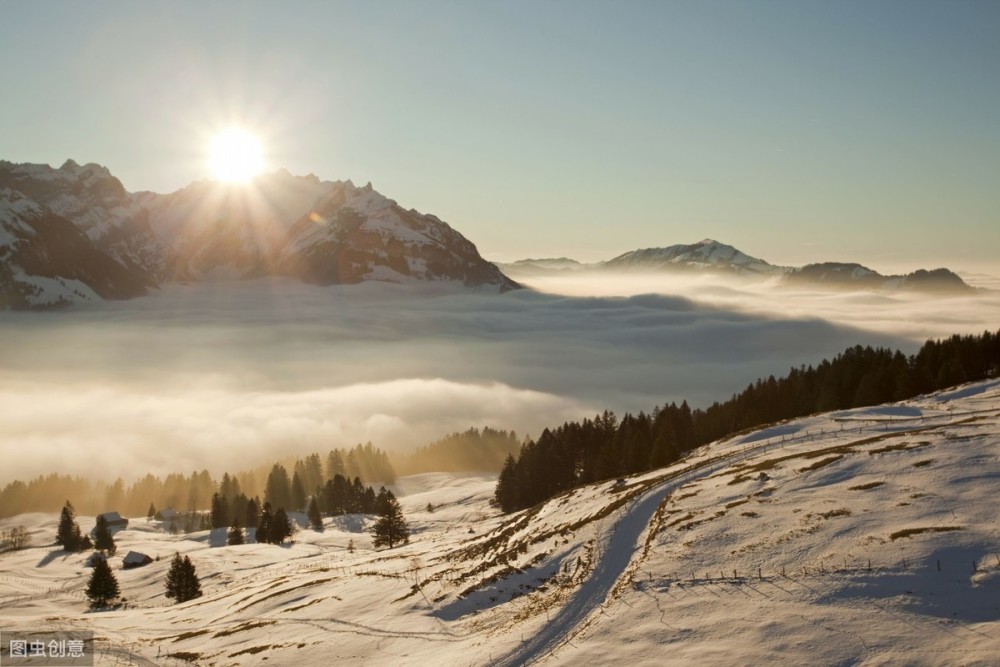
{"points": [[228, 375]]}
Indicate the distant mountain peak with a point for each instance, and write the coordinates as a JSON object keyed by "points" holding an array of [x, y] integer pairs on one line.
{"points": [[707, 254], [712, 256]]}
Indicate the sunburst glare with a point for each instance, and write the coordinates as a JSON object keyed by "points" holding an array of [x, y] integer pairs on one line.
{"points": [[235, 156]]}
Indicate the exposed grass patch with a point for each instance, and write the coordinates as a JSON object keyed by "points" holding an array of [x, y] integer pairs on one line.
{"points": [[186, 656], [909, 532], [819, 464], [242, 628], [865, 487], [923, 464], [751, 514], [289, 590], [253, 650], [698, 522], [834, 513], [309, 603], [901, 447], [675, 522], [189, 635], [737, 503]]}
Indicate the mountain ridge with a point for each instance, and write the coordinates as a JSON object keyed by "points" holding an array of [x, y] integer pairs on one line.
{"points": [[711, 256], [320, 232]]}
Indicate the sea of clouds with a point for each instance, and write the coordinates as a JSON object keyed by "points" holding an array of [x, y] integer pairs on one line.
{"points": [[231, 374]]}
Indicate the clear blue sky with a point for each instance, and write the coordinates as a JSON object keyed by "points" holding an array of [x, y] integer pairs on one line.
{"points": [[797, 131]]}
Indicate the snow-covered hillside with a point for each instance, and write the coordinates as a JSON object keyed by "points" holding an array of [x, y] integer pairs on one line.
{"points": [[866, 536]]}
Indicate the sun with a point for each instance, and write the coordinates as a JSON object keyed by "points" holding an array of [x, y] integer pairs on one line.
{"points": [[234, 155]]}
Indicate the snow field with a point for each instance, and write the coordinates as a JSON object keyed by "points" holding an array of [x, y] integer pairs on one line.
{"points": [[815, 541]]}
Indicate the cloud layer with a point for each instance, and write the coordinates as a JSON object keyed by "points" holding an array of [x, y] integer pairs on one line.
{"points": [[229, 375]]}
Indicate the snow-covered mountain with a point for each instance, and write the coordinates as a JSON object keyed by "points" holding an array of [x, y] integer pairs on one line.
{"points": [[321, 232], [855, 276], [865, 536], [544, 265], [46, 261], [707, 255], [710, 256]]}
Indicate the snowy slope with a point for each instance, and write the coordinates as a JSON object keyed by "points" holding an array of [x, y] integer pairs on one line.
{"points": [[815, 541]]}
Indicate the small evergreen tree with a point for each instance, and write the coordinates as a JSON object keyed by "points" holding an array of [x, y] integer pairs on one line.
{"points": [[192, 588], [151, 512], [235, 535], [315, 517], [103, 586], [68, 534], [298, 492], [103, 540], [173, 583], [253, 512], [182, 581], [390, 529], [281, 527], [264, 525]]}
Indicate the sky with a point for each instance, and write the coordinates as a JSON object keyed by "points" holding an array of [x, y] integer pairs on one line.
{"points": [[796, 131]]}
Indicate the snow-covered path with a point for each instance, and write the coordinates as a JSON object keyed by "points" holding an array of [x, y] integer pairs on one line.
{"points": [[615, 551], [618, 546]]}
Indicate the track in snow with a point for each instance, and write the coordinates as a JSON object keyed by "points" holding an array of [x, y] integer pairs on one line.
{"points": [[620, 544], [615, 552]]}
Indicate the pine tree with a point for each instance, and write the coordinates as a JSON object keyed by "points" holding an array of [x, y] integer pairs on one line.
{"points": [[281, 527], [264, 525], [182, 581], [103, 540], [103, 586], [151, 512], [315, 517], [278, 490], [192, 587], [235, 535], [298, 492], [220, 511], [173, 582], [68, 535], [390, 528], [253, 512]]}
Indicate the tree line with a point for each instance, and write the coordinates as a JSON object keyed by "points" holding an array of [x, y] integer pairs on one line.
{"points": [[578, 453], [473, 450], [192, 491]]}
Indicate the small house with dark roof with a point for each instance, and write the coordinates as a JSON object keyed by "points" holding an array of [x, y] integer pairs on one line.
{"points": [[166, 514], [115, 521], [135, 559]]}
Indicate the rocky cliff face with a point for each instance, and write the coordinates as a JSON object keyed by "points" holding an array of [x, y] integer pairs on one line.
{"points": [[321, 232], [47, 262]]}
